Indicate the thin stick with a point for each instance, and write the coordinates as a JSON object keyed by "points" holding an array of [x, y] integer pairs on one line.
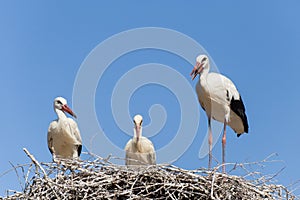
{"points": [[16, 171]]}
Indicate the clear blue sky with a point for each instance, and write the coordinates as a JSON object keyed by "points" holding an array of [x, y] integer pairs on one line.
{"points": [[255, 43]]}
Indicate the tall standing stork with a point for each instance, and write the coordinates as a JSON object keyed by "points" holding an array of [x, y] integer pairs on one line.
{"points": [[221, 101], [139, 149], [64, 140]]}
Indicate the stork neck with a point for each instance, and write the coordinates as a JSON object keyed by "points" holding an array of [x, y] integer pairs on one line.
{"points": [[205, 71], [60, 114]]}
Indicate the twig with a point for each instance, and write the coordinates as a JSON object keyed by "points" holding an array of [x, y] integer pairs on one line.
{"points": [[16, 171]]}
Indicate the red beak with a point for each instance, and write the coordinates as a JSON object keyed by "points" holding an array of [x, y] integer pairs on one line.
{"points": [[197, 70], [138, 132], [68, 110]]}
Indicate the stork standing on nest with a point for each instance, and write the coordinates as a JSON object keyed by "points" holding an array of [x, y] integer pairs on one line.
{"points": [[139, 149], [64, 140], [221, 101]]}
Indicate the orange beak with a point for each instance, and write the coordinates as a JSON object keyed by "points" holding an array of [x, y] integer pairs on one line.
{"points": [[197, 70], [138, 132], [68, 110]]}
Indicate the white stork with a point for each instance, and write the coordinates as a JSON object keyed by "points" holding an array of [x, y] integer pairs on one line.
{"points": [[221, 101], [139, 149], [64, 140]]}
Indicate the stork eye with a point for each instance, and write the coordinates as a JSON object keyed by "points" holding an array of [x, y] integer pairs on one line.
{"points": [[204, 59], [141, 122], [59, 102]]}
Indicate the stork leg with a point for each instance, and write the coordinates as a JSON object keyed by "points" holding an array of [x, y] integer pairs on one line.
{"points": [[223, 147], [210, 138]]}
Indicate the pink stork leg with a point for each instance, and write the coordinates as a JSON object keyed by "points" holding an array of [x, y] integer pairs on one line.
{"points": [[223, 147], [209, 143]]}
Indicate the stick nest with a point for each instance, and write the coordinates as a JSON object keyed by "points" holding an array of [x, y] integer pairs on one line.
{"points": [[100, 179]]}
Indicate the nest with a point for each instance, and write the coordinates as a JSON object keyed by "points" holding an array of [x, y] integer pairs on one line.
{"points": [[100, 179]]}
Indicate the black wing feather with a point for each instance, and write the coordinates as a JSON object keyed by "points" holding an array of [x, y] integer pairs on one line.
{"points": [[50, 151], [237, 106], [79, 148]]}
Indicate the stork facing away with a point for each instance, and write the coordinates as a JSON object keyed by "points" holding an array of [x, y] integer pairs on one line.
{"points": [[139, 149], [64, 140], [221, 101]]}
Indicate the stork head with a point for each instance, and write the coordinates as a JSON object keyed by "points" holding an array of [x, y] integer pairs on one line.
{"points": [[138, 120], [201, 64], [60, 103]]}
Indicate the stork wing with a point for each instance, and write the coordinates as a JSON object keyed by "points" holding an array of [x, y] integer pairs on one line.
{"points": [[128, 145], [221, 89], [51, 130], [149, 150], [128, 148], [152, 158], [75, 133]]}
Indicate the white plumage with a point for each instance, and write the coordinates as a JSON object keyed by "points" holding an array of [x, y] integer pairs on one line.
{"points": [[221, 101], [64, 140], [139, 149]]}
